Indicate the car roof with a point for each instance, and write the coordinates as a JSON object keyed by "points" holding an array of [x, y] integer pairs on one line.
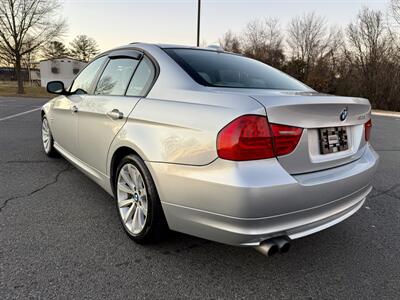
{"points": [[177, 46], [148, 46]]}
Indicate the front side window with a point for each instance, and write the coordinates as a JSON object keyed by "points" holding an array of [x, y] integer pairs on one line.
{"points": [[221, 69], [142, 79], [83, 82], [116, 76]]}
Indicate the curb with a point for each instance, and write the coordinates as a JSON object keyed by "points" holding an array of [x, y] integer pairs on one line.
{"points": [[383, 113]]}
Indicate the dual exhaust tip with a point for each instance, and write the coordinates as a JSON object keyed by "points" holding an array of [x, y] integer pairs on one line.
{"points": [[274, 245]]}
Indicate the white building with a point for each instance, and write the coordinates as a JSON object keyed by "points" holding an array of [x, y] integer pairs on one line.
{"points": [[63, 69]]}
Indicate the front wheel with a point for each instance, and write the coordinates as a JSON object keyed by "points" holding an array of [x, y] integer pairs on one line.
{"points": [[138, 203], [47, 139]]}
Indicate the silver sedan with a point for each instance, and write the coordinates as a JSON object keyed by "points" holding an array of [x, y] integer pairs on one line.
{"points": [[212, 144]]}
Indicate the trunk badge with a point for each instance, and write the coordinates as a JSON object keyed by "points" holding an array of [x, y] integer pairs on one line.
{"points": [[343, 114]]}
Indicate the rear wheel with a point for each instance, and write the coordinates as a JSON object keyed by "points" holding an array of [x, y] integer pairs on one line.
{"points": [[138, 203], [47, 139]]}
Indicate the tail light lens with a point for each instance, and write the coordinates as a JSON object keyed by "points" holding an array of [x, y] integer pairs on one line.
{"points": [[251, 137], [286, 138], [367, 130], [245, 138]]}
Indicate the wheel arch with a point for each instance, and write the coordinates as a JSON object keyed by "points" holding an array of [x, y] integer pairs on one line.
{"points": [[116, 157]]}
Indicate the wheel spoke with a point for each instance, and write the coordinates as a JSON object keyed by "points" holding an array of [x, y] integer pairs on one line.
{"points": [[135, 222], [125, 203], [127, 179], [129, 214], [133, 175], [142, 191], [124, 188], [144, 209], [141, 217], [45, 126]]}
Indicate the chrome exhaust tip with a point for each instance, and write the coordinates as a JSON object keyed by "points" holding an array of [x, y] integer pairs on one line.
{"points": [[267, 248], [274, 245], [283, 244]]}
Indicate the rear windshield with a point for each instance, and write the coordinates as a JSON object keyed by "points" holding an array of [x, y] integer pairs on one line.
{"points": [[222, 69]]}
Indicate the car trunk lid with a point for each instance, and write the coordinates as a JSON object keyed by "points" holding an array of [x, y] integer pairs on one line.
{"points": [[327, 121]]}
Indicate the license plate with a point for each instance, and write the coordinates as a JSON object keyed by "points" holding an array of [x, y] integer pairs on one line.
{"points": [[333, 139]]}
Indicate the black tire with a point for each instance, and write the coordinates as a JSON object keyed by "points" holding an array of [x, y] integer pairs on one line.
{"points": [[156, 227], [50, 151]]}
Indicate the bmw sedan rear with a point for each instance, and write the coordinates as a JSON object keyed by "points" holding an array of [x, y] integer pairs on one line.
{"points": [[227, 147]]}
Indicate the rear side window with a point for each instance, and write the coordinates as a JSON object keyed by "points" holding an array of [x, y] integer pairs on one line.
{"points": [[116, 76], [83, 82], [142, 79], [221, 69]]}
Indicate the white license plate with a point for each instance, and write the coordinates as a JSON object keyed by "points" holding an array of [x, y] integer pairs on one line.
{"points": [[333, 139]]}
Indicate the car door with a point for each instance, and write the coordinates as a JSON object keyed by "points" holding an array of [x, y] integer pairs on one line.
{"points": [[103, 114], [64, 118]]}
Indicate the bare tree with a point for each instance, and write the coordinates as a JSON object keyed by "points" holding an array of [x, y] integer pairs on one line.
{"points": [[315, 50], [395, 30], [230, 42], [84, 48], [395, 5], [362, 61], [371, 53], [307, 38], [368, 39], [25, 25], [5, 58], [54, 49], [262, 40]]}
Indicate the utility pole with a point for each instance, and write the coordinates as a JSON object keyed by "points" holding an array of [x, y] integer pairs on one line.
{"points": [[198, 22]]}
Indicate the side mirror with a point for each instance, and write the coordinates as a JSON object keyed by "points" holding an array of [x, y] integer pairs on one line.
{"points": [[56, 87]]}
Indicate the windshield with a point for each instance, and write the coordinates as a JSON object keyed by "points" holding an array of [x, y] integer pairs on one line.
{"points": [[221, 69]]}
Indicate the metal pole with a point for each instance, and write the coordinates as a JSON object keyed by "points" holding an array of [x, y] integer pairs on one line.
{"points": [[198, 22]]}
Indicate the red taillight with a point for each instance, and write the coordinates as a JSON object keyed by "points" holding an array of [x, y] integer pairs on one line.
{"points": [[250, 137], [245, 138], [367, 130], [286, 138]]}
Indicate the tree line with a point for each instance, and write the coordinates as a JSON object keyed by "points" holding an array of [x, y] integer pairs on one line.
{"points": [[81, 48], [360, 60], [32, 29]]}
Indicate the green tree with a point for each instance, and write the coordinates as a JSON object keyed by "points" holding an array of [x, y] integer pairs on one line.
{"points": [[54, 49], [84, 48]]}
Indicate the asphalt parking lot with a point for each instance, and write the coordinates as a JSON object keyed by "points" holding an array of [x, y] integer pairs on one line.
{"points": [[60, 237]]}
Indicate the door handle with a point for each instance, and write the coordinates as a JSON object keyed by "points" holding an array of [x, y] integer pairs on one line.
{"points": [[115, 114], [74, 109]]}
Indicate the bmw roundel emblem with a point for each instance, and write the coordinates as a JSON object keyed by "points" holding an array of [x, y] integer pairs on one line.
{"points": [[343, 114]]}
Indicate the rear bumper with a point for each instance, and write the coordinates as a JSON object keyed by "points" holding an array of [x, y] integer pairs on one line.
{"points": [[244, 203]]}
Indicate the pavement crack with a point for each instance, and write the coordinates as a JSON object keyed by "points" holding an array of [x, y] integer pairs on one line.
{"points": [[387, 150], [387, 192], [26, 162], [54, 181]]}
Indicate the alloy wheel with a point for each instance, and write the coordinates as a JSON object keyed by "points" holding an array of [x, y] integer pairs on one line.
{"points": [[46, 135], [132, 199]]}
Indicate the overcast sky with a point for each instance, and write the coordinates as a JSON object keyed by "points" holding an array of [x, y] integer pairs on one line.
{"points": [[116, 22]]}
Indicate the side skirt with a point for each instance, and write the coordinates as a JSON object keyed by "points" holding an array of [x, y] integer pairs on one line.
{"points": [[101, 179]]}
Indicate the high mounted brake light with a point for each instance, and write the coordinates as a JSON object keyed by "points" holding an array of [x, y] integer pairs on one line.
{"points": [[251, 137]]}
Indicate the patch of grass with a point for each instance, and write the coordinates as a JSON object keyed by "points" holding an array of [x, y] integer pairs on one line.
{"points": [[9, 88]]}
